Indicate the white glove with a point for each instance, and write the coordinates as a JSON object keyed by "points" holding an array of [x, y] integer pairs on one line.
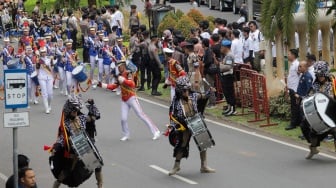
{"points": [[104, 85], [121, 79]]}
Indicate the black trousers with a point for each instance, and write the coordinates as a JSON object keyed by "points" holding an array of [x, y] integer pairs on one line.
{"points": [[228, 89], [295, 110], [145, 71], [156, 71], [86, 57], [73, 35]]}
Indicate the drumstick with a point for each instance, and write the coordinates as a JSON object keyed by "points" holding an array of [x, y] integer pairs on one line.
{"points": [[205, 81]]}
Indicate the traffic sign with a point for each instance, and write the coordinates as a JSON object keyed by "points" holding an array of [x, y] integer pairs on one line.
{"points": [[16, 119], [16, 88]]}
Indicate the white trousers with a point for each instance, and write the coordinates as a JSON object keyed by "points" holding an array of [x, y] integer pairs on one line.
{"points": [[71, 82], [135, 105], [62, 78], [31, 89], [46, 85], [93, 60], [107, 73]]}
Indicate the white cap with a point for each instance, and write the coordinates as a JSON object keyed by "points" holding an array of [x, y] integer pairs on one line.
{"points": [[43, 49], [168, 50]]}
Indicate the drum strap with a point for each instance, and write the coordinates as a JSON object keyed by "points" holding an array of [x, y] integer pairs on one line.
{"points": [[190, 111], [65, 135], [182, 128], [88, 82], [45, 66], [127, 89]]}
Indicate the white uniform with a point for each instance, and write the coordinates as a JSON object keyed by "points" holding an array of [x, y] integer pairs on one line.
{"points": [[46, 79], [237, 50], [293, 76]]}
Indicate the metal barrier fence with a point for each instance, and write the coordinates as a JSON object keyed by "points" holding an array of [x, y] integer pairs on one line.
{"points": [[251, 94]]}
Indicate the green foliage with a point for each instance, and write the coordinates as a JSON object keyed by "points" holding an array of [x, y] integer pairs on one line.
{"points": [[185, 24], [179, 13], [172, 15], [211, 22], [196, 15], [167, 22], [311, 15], [280, 106]]}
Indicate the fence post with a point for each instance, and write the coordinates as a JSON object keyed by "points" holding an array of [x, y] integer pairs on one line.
{"points": [[260, 100], [246, 93]]}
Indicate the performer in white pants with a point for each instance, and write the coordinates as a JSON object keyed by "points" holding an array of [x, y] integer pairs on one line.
{"points": [[100, 55], [70, 64], [107, 59], [30, 67], [128, 101], [93, 45], [45, 78], [60, 50]]}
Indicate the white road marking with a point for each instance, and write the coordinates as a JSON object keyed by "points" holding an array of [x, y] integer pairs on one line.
{"points": [[248, 132], [3, 176], [186, 180]]}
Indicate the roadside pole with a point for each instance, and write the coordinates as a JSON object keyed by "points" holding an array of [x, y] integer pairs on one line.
{"points": [[250, 9], [16, 96]]}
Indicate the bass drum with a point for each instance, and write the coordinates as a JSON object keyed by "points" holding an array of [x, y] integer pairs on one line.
{"points": [[74, 177]]}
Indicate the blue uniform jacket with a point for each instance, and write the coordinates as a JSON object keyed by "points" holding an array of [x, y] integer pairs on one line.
{"points": [[305, 84]]}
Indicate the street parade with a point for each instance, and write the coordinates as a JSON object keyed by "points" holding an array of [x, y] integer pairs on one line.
{"points": [[95, 73]]}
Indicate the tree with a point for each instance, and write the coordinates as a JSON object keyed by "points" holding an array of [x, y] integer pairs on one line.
{"points": [[278, 18]]}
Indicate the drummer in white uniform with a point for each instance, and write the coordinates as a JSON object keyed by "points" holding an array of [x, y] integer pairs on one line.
{"points": [[60, 63], [7, 52], [45, 78], [70, 64], [32, 74]]}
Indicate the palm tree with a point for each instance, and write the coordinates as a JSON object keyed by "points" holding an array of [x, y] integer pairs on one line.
{"points": [[278, 18], [331, 11], [273, 30]]}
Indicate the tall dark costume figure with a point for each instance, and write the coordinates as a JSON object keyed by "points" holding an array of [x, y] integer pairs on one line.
{"points": [[74, 155], [185, 122]]}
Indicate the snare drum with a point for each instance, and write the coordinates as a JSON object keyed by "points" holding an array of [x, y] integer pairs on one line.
{"points": [[200, 132], [131, 66], [79, 74], [86, 151], [14, 63], [315, 109], [34, 78]]}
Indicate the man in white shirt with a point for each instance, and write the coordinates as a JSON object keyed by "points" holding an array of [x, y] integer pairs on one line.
{"points": [[119, 20], [256, 38], [237, 47], [292, 85], [247, 46]]}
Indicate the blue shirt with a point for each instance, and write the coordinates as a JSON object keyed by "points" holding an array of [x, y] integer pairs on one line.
{"points": [[305, 84], [29, 65]]}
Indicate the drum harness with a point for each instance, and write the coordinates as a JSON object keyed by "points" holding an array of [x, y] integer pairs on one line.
{"points": [[190, 112], [45, 66]]}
